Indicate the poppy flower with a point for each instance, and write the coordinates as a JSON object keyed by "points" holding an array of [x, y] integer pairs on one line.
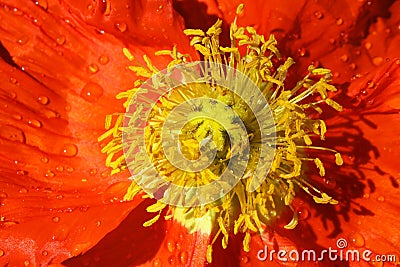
{"points": [[63, 66]]}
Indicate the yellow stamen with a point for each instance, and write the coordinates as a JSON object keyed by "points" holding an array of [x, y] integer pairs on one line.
{"points": [[242, 210]]}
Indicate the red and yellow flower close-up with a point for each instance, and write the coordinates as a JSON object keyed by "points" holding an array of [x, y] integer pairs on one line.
{"points": [[329, 69]]}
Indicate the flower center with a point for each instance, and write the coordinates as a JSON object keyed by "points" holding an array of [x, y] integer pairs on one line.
{"points": [[245, 208]]}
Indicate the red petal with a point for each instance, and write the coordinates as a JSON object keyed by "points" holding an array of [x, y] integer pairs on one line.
{"points": [[162, 244], [52, 170]]}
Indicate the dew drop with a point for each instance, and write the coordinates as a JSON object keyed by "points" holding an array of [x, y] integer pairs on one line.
{"points": [[344, 58], [84, 208], [59, 197], [56, 219], [42, 3], [303, 213], [244, 259], [23, 40], [67, 108], [22, 172], [183, 258], [172, 260], [45, 160], [23, 190], [60, 168], [45, 253], [93, 172], [368, 45], [170, 246], [13, 80], [83, 180], [27, 262], [302, 52], [366, 196], [3, 195], [13, 95], [352, 66], [44, 100], [381, 198], [69, 150], [157, 263], [35, 123], [121, 26], [61, 40], [364, 92], [98, 223], [17, 117], [103, 60], [91, 92], [330, 183], [1, 253], [318, 14], [160, 8], [49, 174], [70, 169], [90, 7], [398, 61], [357, 239], [339, 21], [377, 61], [93, 68]]}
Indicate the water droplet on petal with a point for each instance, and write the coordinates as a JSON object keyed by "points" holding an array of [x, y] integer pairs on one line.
{"points": [[26, 263], [368, 45], [160, 8], [23, 190], [56, 219], [42, 3], [44, 100], [84, 208], [318, 14], [23, 40], [172, 260], [91, 92], [59, 197], [170, 246], [3, 195], [1, 253], [352, 66], [22, 172], [302, 51], [69, 150], [157, 263], [67, 108], [339, 21], [121, 26], [60, 168], [49, 173], [93, 171], [93, 68], [61, 40], [183, 257], [381, 198], [357, 240], [377, 61], [244, 259], [344, 58], [45, 253], [366, 196], [98, 223], [103, 60], [303, 213], [70, 169], [35, 123], [330, 183], [13, 80]]}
